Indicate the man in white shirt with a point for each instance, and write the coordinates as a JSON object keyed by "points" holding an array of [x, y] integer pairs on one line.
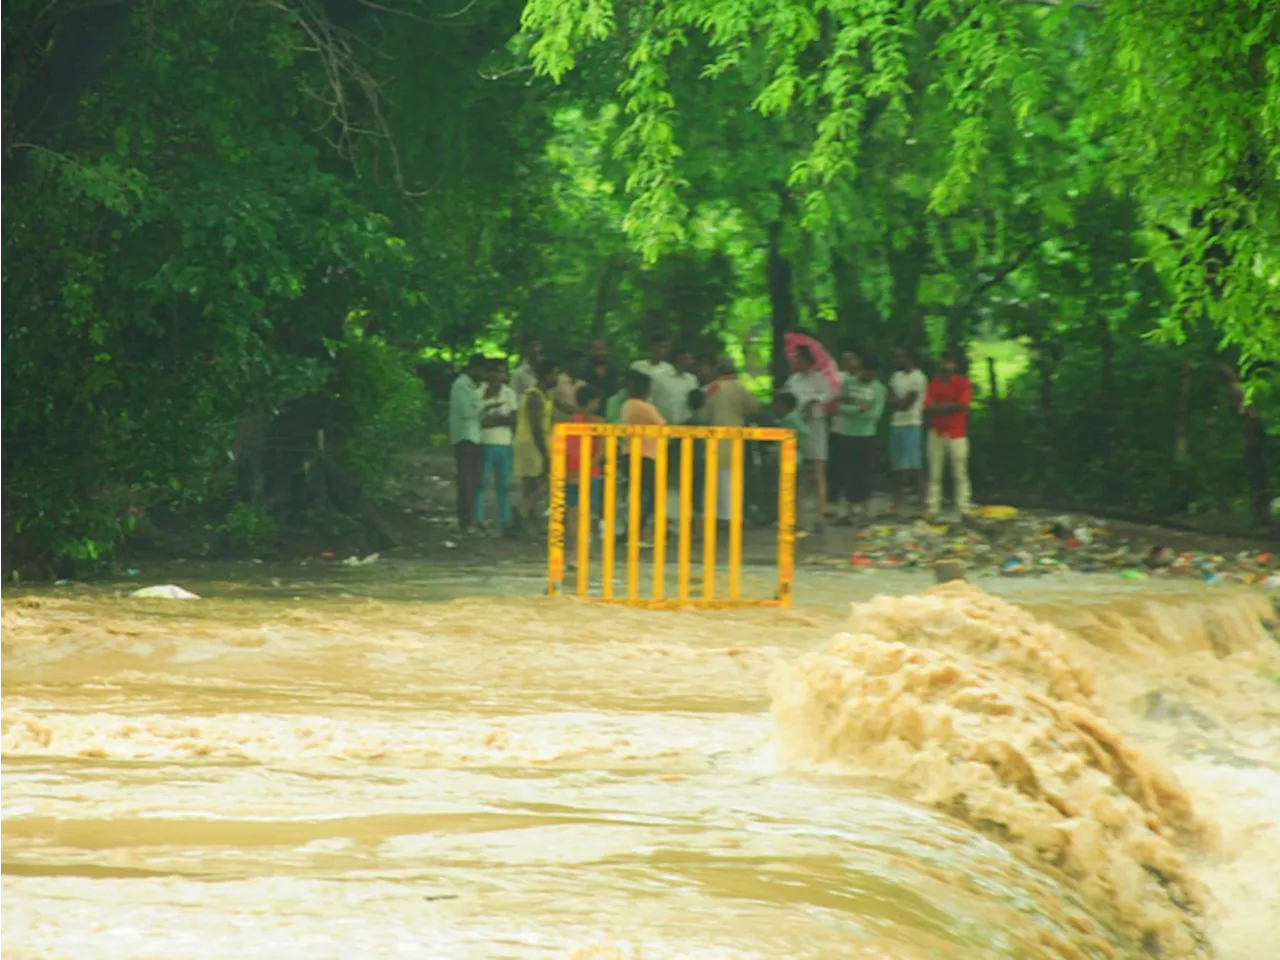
{"points": [[683, 380], [497, 430], [661, 374], [813, 391], [907, 388], [526, 374]]}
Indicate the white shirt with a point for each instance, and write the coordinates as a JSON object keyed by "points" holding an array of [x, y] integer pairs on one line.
{"points": [[662, 392], [505, 403], [902, 383], [680, 384], [806, 387], [523, 379]]}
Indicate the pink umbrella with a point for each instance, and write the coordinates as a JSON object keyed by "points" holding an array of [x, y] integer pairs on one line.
{"points": [[822, 362]]}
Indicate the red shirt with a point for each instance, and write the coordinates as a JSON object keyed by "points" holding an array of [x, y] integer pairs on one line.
{"points": [[573, 452], [956, 390]]}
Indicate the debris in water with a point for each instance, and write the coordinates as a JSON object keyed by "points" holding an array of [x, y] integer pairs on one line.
{"points": [[1016, 545], [165, 591], [1167, 710]]}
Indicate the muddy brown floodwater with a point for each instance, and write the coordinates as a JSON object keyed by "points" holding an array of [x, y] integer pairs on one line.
{"points": [[360, 766]]}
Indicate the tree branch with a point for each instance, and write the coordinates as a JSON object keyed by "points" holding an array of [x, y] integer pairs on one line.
{"points": [[1001, 272], [1079, 4]]}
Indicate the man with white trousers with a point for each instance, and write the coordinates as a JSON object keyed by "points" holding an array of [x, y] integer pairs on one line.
{"points": [[946, 405]]}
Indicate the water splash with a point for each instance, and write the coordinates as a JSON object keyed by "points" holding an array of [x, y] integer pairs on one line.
{"points": [[977, 708], [1090, 773]]}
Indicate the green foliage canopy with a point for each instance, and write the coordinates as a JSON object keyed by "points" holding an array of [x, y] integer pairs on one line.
{"points": [[1190, 129]]}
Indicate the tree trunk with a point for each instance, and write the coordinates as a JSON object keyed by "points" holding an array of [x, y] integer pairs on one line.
{"points": [[1255, 452], [1107, 404], [1182, 424], [607, 292], [997, 439], [8, 538], [1046, 365], [857, 318], [1255, 449], [781, 301], [1181, 489], [81, 44], [906, 270], [957, 334]]}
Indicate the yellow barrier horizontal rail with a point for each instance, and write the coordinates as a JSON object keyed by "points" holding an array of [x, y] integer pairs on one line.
{"points": [[648, 481], [767, 434]]}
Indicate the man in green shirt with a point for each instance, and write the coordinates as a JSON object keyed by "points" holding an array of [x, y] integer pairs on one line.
{"points": [[853, 435]]}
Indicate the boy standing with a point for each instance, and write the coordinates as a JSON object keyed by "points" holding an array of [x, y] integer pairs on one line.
{"points": [[729, 404], [907, 388], [854, 433], [660, 373], [638, 411], [588, 411], [683, 382], [497, 430], [946, 404], [464, 435], [762, 480]]}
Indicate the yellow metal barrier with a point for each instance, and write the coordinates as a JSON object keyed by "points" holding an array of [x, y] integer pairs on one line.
{"points": [[592, 436]]}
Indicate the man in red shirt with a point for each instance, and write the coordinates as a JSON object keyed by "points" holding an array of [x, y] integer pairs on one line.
{"points": [[946, 406]]}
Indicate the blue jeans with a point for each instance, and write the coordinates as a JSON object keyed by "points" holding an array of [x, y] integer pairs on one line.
{"points": [[905, 447], [497, 464]]}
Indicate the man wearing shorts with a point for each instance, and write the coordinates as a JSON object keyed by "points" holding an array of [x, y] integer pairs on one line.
{"points": [[907, 388]]}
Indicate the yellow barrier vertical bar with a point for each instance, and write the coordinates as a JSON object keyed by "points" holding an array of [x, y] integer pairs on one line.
{"points": [[633, 511], [609, 520], [686, 517], [735, 519], [585, 462], [786, 519], [555, 521], [709, 520], [660, 520]]}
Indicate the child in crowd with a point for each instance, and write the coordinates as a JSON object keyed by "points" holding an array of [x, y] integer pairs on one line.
{"points": [[762, 481], [497, 431], [695, 402], [638, 411], [613, 406], [788, 415], [587, 402]]}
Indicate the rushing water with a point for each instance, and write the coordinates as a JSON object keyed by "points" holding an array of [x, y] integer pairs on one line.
{"points": [[360, 767]]}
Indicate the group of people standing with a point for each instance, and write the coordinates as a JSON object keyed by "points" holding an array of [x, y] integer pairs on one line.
{"points": [[501, 430], [842, 424]]}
